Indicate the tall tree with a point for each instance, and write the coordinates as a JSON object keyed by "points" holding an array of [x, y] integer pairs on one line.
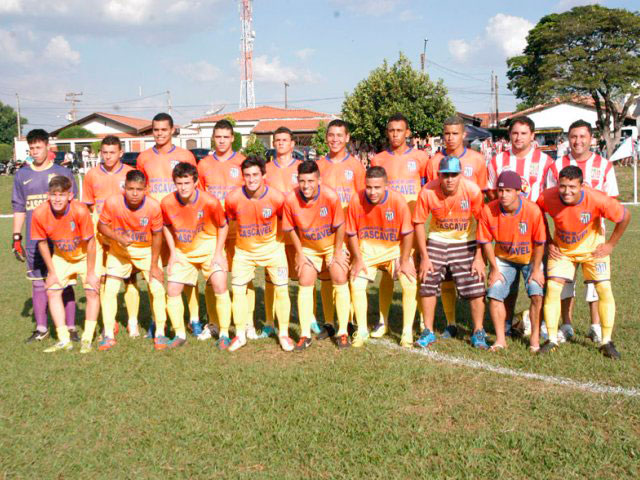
{"points": [[589, 51], [398, 88], [9, 124], [319, 140]]}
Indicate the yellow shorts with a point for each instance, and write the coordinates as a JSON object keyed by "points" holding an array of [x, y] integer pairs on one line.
{"points": [[275, 263], [593, 269], [186, 270], [120, 266], [383, 261], [67, 273]]}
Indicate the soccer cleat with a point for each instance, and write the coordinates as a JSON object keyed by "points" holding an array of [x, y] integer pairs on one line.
{"points": [[177, 342], [342, 342], [58, 347], [286, 343], [268, 331], [134, 331], [479, 340], [208, 331], [609, 351], [37, 336], [85, 346], [161, 343], [196, 328], [379, 331], [450, 331], [406, 341], [426, 339], [316, 327], [237, 343], [303, 344], [73, 335], [595, 334], [252, 334], [548, 347], [223, 343], [327, 332], [565, 333], [359, 339], [107, 343]]}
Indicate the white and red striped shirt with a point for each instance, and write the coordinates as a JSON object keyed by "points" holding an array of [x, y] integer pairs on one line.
{"points": [[597, 173], [531, 168]]}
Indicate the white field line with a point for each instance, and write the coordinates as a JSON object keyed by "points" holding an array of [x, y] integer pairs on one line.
{"points": [[590, 387]]}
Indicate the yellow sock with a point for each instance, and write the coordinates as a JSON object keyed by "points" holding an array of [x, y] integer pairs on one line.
{"points": [[223, 312], [212, 309], [175, 308], [606, 309], [239, 308], [192, 302], [109, 304], [343, 305], [282, 306], [359, 301], [448, 299], [89, 330], [63, 333], [327, 296], [158, 305], [250, 294], [409, 303], [552, 309], [314, 314], [305, 309], [268, 303], [385, 296], [132, 300]]}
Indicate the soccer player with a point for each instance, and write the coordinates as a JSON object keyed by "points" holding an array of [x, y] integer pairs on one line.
{"points": [[474, 168], [67, 224], [133, 224], [406, 169], [99, 184], [195, 230], [314, 221], [30, 187], [598, 173], [577, 212], [517, 226], [157, 163], [380, 238], [255, 208], [454, 204]]}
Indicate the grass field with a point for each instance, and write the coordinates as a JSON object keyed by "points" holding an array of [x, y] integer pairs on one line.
{"points": [[262, 413]]}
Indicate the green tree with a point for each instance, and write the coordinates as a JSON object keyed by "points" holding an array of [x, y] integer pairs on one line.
{"points": [[589, 51], [236, 146], [6, 152], [76, 132], [255, 148], [398, 88], [8, 123], [319, 140]]}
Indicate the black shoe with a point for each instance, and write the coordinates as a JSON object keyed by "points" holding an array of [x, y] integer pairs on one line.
{"points": [[37, 336], [609, 351], [351, 329], [73, 335], [327, 331], [303, 344], [548, 347]]}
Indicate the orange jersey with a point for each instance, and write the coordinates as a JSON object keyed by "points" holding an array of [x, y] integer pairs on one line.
{"points": [[138, 224], [98, 185], [379, 227], [256, 218], [316, 220], [158, 167], [515, 234], [577, 228], [405, 172], [474, 167], [219, 178], [345, 176], [282, 177], [193, 223], [69, 232], [453, 218]]}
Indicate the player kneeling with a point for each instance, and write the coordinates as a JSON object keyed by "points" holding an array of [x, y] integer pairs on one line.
{"points": [[380, 238], [133, 223], [314, 221], [195, 230], [67, 224]]}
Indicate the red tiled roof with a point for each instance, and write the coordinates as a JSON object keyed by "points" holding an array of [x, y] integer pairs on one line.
{"points": [[262, 113], [270, 126], [486, 117], [137, 123]]}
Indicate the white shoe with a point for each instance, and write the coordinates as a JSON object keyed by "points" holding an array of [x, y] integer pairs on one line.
{"points": [[286, 343], [237, 343], [252, 334], [205, 334], [565, 333], [595, 334]]}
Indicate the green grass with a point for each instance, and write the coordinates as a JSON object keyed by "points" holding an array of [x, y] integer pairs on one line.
{"points": [[263, 413]]}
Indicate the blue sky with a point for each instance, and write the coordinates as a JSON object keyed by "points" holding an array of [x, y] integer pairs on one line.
{"points": [[113, 50]]}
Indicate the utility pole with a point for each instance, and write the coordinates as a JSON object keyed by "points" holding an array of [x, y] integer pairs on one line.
{"points": [[169, 108], [286, 103], [71, 97], [492, 117], [18, 118], [497, 109], [423, 57]]}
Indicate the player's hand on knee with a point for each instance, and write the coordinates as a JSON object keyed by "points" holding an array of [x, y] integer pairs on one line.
{"points": [[538, 277], [94, 281], [477, 268], [52, 279], [357, 267], [408, 268], [425, 269], [156, 272], [495, 276], [16, 247]]}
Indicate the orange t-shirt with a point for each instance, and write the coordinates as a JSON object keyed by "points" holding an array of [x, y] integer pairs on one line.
{"points": [[98, 185], [577, 228], [194, 223], [68, 232], [405, 172], [158, 168], [256, 219], [345, 176], [474, 167], [316, 220], [219, 178], [453, 218], [379, 227], [282, 177], [139, 224], [515, 234]]}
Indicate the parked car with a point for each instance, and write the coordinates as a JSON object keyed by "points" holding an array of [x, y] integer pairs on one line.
{"points": [[130, 158], [199, 153], [271, 153]]}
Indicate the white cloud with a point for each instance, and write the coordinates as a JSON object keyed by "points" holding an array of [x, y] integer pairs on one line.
{"points": [[201, 71], [59, 50], [11, 50], [374, 8], [304, 53], [460, 50], [272, 71], [564, 5], [10, 6], [409, 16]]}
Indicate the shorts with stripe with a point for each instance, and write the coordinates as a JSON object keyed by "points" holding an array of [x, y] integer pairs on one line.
{"points": [[457, 259]]}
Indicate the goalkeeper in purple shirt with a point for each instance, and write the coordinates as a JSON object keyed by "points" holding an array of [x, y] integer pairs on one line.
{"points": [[30, 189]]}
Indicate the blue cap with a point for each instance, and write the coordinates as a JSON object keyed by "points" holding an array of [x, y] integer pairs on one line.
{"points": [[449, 165]]}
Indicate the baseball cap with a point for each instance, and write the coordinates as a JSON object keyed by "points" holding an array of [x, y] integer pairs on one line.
{"points": [[449, 165], [510, 179]]}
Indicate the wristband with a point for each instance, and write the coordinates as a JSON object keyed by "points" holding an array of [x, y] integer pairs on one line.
{"points": [[17, 237]]}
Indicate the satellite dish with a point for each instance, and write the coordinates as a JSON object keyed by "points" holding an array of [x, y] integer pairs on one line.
{"points": [[215, 109]]}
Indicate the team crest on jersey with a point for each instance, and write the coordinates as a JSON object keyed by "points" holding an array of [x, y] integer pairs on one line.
{"points": [[595, 172], [234, 172], [144, 221], [468, 171], [412, 166], [526, 187], [266, 212], [72, 225], [348, 174], [464, 204], [173, 163], [282, 273], [389, 215], [324, 211], [522, 227], [585, 217], [200, 214]]}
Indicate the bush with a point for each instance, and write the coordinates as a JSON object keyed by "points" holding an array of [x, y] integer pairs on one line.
{"points": [[6, 152], [255, 148], [76, 132]]}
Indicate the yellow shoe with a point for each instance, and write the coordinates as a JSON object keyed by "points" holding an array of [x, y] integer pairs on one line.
{"points": [[379, 331], [407, 341], [85, 346], [359, 339], [59, 346]]}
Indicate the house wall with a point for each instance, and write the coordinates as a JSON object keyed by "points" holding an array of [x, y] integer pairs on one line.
{"points": [[104, 126], [562, 116]]}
